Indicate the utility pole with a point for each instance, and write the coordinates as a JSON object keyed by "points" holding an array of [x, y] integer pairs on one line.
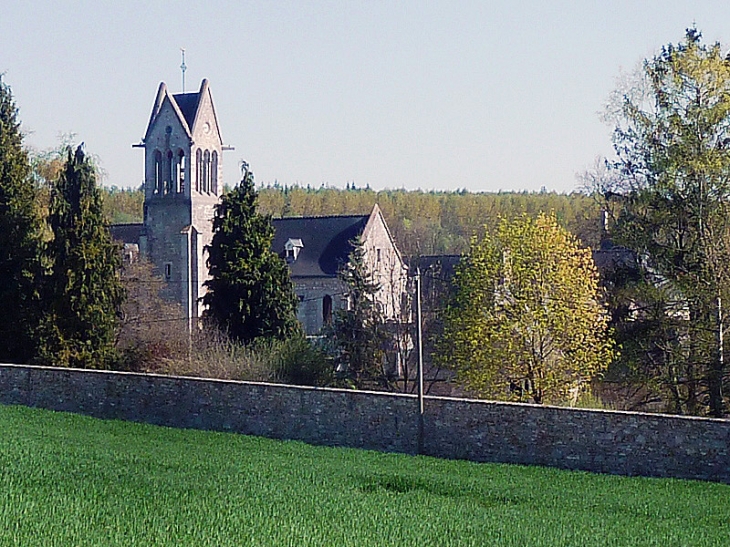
{"points": [[419, 341]]}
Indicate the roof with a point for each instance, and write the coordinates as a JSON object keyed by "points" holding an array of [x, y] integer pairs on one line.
{"points": [[188, 104], [610, 258], [326, 240], [126, 233]]}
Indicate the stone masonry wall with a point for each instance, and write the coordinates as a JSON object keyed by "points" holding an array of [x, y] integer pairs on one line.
{"points": [[625, 443]]}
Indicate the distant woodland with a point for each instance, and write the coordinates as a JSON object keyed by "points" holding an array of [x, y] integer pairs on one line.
{"points": [[422, 223]]}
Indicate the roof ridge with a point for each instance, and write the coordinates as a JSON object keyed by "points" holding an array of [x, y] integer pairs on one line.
{"points": [[318, 217]]}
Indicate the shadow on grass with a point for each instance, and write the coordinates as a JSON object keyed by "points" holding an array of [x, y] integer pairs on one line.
{"points": [[402, 484]]}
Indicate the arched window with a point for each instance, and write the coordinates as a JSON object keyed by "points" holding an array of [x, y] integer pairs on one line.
{"points": [[327, 309], [206, 171], [214, 173], [181, 168], [157, 188], [198, 168], [171, 174]]}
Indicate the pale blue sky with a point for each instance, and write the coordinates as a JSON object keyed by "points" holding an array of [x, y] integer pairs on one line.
{"points": [[432, 94]]}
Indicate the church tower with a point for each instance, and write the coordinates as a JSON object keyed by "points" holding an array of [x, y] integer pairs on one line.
{"points": [[182, 182]]}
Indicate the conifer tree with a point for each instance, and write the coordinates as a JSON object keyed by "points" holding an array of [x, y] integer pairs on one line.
{"points": [[250, 294], [20, 242], [83, 293], [358, 332]]}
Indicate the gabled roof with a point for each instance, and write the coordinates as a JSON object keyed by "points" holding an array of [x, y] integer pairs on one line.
{"points": [[185, 105], [326, 240], [188, 104]]}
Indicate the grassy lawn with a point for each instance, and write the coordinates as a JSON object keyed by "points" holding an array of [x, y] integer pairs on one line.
{"points": [[69, 480]]}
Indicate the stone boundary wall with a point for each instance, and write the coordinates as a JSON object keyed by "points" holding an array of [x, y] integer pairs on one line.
{"points": [[625, 443]]}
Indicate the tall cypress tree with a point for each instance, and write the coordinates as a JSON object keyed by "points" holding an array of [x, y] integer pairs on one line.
{"points": [[250, 293], [83, 292], [20, 242]]}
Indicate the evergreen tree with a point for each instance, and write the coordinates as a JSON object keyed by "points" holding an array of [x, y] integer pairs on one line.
{"points": [[358, 332], [250, 293], [20, 242], [83, 291]]}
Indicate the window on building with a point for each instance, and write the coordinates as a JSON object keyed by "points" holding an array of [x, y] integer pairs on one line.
{"points": [[327, 309], [170, 172], [214, 173], [198, 168], [168, 270], [206, 171], [181, 172], [157, 188]]}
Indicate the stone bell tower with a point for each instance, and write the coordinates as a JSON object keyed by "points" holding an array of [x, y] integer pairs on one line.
{"points": [[182, 182]]}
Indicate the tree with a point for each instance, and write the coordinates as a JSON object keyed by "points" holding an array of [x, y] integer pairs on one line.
{"points": [[83, 293], [526, 321], [672, 173], [250, 293], [20, 240], [152, 330], [358, 331]]}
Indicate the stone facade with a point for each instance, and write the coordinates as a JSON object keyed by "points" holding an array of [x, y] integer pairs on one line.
{"points": [[317, 247], [183, 183], [626, 443], [183, 152], [319, 297]]}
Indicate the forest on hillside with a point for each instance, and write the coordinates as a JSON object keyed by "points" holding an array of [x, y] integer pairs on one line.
{"points": [[422, 223]]}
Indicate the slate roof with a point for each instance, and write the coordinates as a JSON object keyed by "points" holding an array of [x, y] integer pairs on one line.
{"points": [[610, 258], [326, 242], [126, 233], [188, 104]]}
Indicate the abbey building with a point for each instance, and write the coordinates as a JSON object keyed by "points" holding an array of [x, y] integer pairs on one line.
{"points": [[183, 151]]}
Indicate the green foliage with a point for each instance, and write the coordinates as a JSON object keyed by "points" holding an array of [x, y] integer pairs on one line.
{"points": [[75, 480], [250, 294], [83, 293], [526, 321], [20, 243], [672, 179], [123, 206], [297, 361], [358, 332]]}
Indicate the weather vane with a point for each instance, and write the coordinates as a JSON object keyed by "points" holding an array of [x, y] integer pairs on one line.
{"points": [[183, 67]]}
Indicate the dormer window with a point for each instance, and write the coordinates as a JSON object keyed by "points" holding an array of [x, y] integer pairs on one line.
{"points": [[292, 248]]}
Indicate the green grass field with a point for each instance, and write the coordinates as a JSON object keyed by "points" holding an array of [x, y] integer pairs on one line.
{"points": [[70, 480]]}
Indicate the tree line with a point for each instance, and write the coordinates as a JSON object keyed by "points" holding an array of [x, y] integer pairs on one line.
{"points": [[422, 223]]}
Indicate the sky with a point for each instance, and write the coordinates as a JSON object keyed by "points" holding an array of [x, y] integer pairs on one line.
{"points": [[431, 95]]}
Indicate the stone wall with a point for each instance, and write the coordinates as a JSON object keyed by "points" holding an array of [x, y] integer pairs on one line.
{"points": [[609, 442]]}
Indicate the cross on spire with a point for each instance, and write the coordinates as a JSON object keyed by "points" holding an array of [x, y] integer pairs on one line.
{"points": [[183, 68]]}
